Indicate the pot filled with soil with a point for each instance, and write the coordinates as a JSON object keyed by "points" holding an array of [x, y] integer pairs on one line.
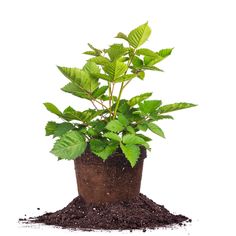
{"points": [[111, 181], [108, 140]]}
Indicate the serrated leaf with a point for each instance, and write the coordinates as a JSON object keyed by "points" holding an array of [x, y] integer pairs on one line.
{"points": [[97, 145], [71, 114], [53, 109], [80, 77], [115, 69], [98, 125], [162, 117], [112, 136], [154, 68], [70, 146], [114, 126], [107, 151], [175, 107], [91, 68], [165, 52], [149, 106], [123, 120], [125, 78], [76, 91], [156, 129], [100, 60], [121, 35], [62, 129], [50, 128], [116, 51], [132, 139], [137, 99], [91, 53], [130, 129], [147, 139], [131, 152], [162, 54], [137, 62], [99, 91], [139, 35], [142, 127], [104, 77], [147, 52], [91, 132]]}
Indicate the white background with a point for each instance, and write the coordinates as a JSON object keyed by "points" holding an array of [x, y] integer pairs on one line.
{"points": [[191, 172]]}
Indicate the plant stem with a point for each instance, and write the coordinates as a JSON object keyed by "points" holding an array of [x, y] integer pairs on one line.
{"points": [[122, 85]]}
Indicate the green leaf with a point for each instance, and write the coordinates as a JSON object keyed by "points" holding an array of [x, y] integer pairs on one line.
{"points": [[91, 68], [112, 136], [50, 128], [149, 106], [81, 77], [70, 146], [123, 120], [137, 99], [141, 75], [162, 117], [116, 51], [122, 36], [123, 106], [76, 91], [100, 60], [137, 62], [131, 152], [99, 91], [175, 107], [53, 109], [142, 127], [154, 68], [114, 126], [104, 77], [156, 129], [98, 125], [125, 78], [132, 139], [130, 129], [88, 115], [139, 35], [144, 137], [107, 151], [97, 145], [92, 53], [91, 132], [115, 69], [71, 114], [147, 52], [63, 128], [162, 54], [97, 51], [165, 52]]}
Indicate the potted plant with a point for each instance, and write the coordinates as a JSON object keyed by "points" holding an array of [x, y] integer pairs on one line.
{"points": [[108, 142]]}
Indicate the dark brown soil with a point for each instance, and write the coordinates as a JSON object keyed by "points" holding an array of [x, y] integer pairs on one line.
{"points": [[140, 213]]}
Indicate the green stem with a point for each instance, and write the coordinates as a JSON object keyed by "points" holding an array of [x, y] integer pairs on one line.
{"points": [[110, 97], [122, 86]]}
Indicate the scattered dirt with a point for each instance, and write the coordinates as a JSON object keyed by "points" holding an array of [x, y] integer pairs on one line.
{"points": [[140, 213]]}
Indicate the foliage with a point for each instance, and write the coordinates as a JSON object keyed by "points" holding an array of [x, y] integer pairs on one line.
{"points": [[113, 122]]}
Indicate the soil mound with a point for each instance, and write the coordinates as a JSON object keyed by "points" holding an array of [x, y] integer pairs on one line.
{"points": [[140, 213]]}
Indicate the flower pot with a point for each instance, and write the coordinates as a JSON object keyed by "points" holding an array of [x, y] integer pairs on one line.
{"points": [[112, 180]]}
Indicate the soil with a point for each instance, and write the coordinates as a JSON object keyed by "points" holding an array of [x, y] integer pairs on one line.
{"points": [[116, 159], [140, 213], [111, 180]]}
